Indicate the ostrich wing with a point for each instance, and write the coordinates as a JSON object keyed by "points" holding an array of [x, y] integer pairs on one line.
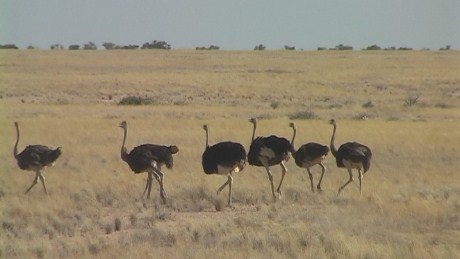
{"points": [[227, 154], [313, 150], [141, 157], [37, 156], [354, 152]]}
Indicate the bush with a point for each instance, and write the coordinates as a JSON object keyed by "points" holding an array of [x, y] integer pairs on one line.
{"points": [[411, 100], [259, 47], [90, 46], [8, 46], [373, 47], [56, 46], [369, 104], [108, 45], [303, 115], [274, 104], [212, 47], [135, 100], [74, 47], [156, 45]]}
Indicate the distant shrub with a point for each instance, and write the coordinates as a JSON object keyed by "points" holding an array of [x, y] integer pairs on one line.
{"points": [[56, 46], [90, 46], [343, 47], [135, 100], [411, 100], [212, 47], [274, 104], [286, 47], [108, 45], [74, 47], [362, 116], [303, 115], [9, 46], [373, 47], [260, 47], [390, 48], [117, 224], [156, 45], [369, 104], [446, 48], [442, 105]]}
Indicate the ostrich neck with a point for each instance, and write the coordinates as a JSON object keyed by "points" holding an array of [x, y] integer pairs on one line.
{"points": [[293, 137], [253, 131], [207, 139], [333, 149], [124, 153], [15, 150]]}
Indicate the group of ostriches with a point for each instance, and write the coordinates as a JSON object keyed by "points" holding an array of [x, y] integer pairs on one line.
{"points": [[225, 158]]}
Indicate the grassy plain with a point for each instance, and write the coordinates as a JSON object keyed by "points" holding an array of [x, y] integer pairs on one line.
{"points": [[410, 206]]}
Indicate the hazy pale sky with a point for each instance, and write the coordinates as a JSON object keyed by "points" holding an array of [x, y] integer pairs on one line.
{"points": [[233, 24]]}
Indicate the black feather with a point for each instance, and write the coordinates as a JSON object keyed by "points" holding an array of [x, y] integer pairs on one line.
{"points": [[280, 146], [227, 154], [37, 156], [354, 152], [141, 157], [309, 152]]}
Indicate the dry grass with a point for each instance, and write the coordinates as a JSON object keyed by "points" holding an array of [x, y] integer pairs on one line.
{"points": [[411, 199]]}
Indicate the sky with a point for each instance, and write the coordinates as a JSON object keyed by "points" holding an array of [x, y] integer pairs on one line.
{"points": [[233, 24]]}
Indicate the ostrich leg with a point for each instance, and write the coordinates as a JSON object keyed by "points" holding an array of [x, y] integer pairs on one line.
{"points": [[284, 171], [323, 171], [311, 179], [349, 180]]}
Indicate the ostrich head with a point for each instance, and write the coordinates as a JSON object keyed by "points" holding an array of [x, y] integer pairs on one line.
{"points": [[292, 125], [205, 127], [253, 120], [332, 122], [123, 125]]}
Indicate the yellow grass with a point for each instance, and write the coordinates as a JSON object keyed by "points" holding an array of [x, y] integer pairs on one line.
{"points": [[411, 199]]}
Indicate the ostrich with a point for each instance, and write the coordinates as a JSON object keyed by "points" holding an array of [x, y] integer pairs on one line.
{"points": [[269, 151], [148, 158], [351, 155], [223, 158], [308, 155], [35, 158]]}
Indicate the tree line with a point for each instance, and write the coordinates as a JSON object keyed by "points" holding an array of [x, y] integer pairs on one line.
{"points": [[166, 46]]}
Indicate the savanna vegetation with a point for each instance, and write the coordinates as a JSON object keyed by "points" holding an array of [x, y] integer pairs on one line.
{"points": [[404, 105]]}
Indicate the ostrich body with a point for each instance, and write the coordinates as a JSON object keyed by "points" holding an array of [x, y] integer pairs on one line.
{"points": [[35, 158], [224, 158], [308, 155], [351, 155], [148, 158], [269, 151]]}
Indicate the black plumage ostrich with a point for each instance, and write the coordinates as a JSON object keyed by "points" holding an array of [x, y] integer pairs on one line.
{"points": [[269, 151], [351, 155], [224, 158], [308, 155], [35, 158], [148, 158]]}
